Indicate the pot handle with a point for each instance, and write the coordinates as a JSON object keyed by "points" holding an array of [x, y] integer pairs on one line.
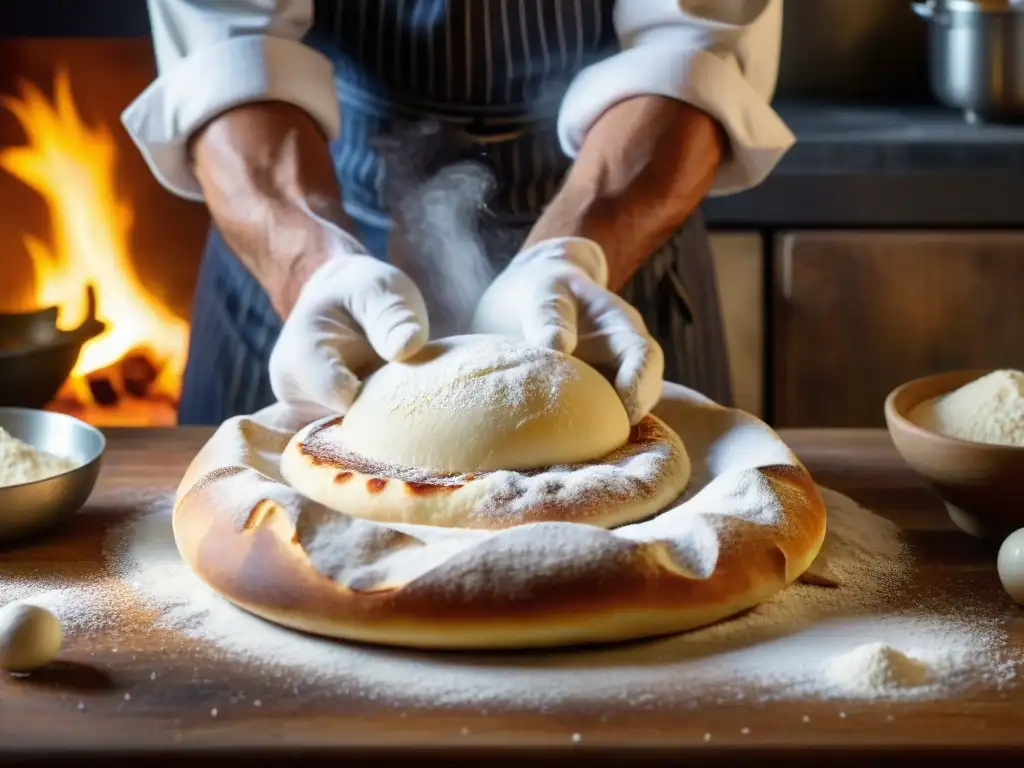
{"points": [[91, 327], [929, 11]]}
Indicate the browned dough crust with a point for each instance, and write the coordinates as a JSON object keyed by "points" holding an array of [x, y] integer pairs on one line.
{"points": [[264, 569], [318, 465]]}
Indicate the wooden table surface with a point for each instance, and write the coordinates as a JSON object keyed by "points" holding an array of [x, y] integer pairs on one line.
{"points": [[101, 705]]}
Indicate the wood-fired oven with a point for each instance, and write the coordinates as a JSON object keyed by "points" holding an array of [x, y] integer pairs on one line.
{"points": [[79, 208]]}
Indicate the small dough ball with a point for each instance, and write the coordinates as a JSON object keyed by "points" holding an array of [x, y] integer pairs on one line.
{"points": [[481, 403], [1010, 565], [30, 637]]}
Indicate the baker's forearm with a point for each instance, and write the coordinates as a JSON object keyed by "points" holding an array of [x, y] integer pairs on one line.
{"points": [[261, 166], [644, 167]]}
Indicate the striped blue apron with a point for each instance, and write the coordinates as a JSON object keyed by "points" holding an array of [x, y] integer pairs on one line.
{"points": [[490, 70]]}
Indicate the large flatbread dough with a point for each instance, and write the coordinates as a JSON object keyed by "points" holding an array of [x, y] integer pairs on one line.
{"points": [[488, 432], [750, 523]]}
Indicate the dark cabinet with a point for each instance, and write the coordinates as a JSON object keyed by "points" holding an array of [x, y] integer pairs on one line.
{"points": [[857, 313]]}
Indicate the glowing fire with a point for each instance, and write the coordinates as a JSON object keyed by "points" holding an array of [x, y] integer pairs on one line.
{"points": [[72, 165]]}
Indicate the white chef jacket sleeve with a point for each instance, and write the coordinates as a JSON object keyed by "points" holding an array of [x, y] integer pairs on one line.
{"points": [[213, 55], [721, 56]]}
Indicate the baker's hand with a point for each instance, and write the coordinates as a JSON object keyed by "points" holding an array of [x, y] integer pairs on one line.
{"points": [[353, 313], [555, 295]]}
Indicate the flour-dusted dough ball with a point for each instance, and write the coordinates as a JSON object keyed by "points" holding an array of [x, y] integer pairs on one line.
{"points": [[481, 403], [1010, 565], [30, 637]]}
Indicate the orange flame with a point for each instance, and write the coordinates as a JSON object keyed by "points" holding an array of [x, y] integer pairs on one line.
{"points": [[72, 166]]}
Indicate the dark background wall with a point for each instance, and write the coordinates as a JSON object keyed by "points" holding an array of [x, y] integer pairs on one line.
{"points": [[833, 50], [74, 18]]}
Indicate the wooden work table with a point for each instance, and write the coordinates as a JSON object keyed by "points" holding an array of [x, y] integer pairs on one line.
{"points": [[78, 709]]}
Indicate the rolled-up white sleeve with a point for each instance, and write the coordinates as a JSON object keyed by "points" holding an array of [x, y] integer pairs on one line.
{"points": [[213, 55], [721, 56]]}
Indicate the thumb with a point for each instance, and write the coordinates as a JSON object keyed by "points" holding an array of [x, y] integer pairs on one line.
{"points": [[396, 324], [388, 309], [549, 317], [639, 378], [325, 384]]}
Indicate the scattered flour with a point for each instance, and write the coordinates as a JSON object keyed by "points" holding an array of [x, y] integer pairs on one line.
{"points": [[879, 670], [478, 375], [23, 463], [987, 410], [808, 642]]}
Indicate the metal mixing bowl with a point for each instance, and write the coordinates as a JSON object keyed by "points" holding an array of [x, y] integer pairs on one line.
{"points": [[29, 509]]}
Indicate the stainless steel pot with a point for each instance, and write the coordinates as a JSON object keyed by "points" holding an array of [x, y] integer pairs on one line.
{"points": [[976, 56]]}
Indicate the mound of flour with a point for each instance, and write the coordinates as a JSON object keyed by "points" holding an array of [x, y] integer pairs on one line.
{"points": [[807, 642], [987, 410], [23, 463], [877, 667]]}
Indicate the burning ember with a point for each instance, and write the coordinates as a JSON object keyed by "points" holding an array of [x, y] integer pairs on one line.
{"points": [[72, 166]]}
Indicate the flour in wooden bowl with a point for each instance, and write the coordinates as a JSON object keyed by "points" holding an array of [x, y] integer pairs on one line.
{"points": [[989, 410]]}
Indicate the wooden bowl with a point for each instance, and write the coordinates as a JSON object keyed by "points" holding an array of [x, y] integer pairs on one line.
{"points": [[981, 485]]}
